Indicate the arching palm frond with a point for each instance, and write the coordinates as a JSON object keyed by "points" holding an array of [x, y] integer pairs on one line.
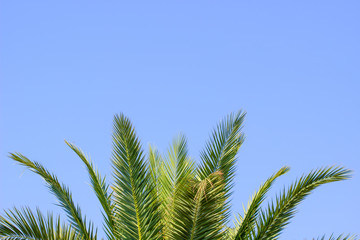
{"points": [[101, 189], [24, 224], [277, 215], [248, 222], [63, 194]]}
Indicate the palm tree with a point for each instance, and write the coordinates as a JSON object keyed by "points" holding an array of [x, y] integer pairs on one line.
{"points": [[167, 196]]}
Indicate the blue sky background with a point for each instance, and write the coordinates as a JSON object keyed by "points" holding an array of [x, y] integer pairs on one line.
{"points": [[180, 66]]}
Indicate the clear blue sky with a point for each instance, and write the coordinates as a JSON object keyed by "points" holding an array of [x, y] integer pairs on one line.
{"points": [[180, 66]]}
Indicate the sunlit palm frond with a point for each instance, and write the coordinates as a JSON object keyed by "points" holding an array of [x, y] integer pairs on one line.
{"points": [[221, 150], [136, 209], [23, 224], [63, 195], [175, 174], [219, 156], [156, 164], [200, 211]]}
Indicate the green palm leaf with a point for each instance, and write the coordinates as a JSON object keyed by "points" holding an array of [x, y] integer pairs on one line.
{"points": [[199, 211], [156, 165], [248, 222], [101, 190], [24, 224], [340, 237], [136, 209], [278, 213], [63, 195], [176, 172], [218, 158], [222, 148]]}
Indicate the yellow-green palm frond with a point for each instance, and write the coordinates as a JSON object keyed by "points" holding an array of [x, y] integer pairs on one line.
{"points": [[175, 173], [199, 209]]}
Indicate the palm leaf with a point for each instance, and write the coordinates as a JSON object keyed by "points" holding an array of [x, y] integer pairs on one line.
{"points": [[340, 237], [248, 222], [136, 209], [156, 165], [176, 172], [219, 157], [199, 213], [24, 224], [222, 148], [101, 190], [63, 195], [278, 214]]}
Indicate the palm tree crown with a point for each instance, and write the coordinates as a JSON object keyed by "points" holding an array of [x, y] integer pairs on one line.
{"points": [[167, 197]]}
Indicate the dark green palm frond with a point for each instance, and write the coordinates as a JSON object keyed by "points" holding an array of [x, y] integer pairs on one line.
{"points": [[278, 214], [101, 189], [24, 224], [221, 150], [220, 156], [176, 172], [199, 210], [340, 237], [63, 195], [247, 223], [136, 209]]}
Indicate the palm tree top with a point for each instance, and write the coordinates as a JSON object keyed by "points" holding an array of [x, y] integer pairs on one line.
{"points": [[167, 196]]}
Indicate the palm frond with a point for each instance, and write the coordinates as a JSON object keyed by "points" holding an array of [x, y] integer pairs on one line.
{"points": [[176, 172], [136, 209], [101, 189], [63, 195], [222, 148], [248, 222], [340, 237], [24, 224], [156, 165], [278, 214], [219, 156], [200, 215]]}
